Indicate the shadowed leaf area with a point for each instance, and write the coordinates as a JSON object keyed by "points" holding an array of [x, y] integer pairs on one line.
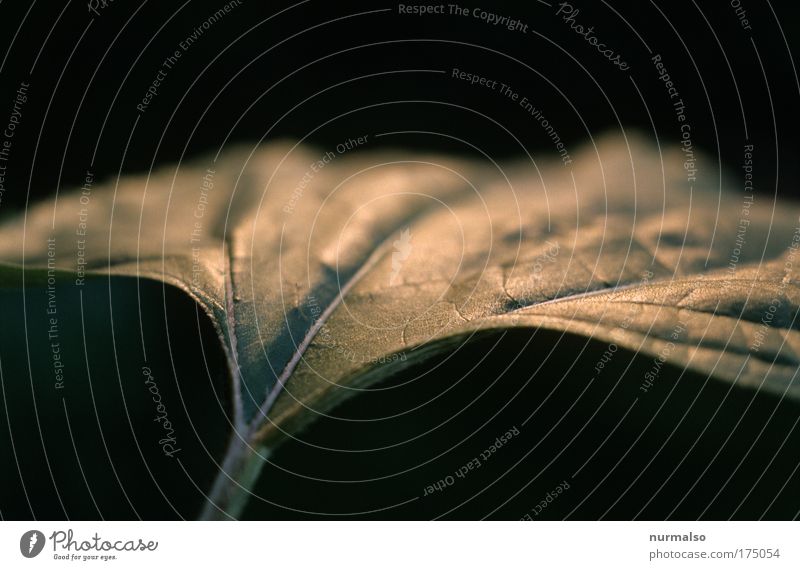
{"points": [[681, 451]]}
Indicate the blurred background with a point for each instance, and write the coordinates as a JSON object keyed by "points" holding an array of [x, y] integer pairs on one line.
{"points": [[325, 72]]}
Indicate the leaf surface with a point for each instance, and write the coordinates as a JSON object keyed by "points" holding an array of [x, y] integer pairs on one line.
{"points": [[324, 274]]}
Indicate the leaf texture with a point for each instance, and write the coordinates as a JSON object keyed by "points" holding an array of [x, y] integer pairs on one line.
{"points": [[324, 273]]}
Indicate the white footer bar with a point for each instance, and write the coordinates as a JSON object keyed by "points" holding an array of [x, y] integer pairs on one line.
{"points": [[392, 545]]}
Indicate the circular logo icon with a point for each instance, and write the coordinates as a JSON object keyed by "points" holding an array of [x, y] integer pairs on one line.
{"points": [[31, 543]]}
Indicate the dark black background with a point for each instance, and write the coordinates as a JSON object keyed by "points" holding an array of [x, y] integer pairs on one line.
{"points": [[328, 71]]}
